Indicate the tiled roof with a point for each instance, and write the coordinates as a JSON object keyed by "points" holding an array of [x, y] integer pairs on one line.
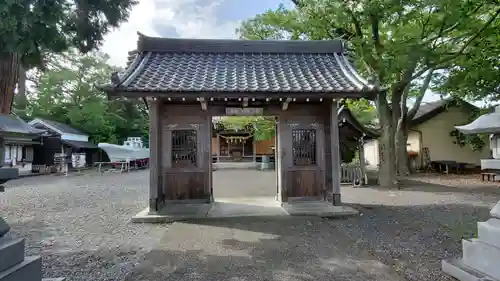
{"points": [[345, 115], [64, 128], [14, 124], [204, 65], [428, 110]]}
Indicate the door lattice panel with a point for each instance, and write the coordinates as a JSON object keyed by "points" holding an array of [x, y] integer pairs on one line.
{"points": [[184, 148], [304, 147]]}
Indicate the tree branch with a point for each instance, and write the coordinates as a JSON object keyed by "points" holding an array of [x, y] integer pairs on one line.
{"points": [[374, 21], [440, 63], [454, 26], [421, 94], [355, 21], [424, 26]]}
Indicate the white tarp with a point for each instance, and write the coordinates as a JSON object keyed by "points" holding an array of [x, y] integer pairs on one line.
{"points": [[488, 123]]}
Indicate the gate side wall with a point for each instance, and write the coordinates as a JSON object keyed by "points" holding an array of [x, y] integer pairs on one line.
{"points": [[178, 184]]}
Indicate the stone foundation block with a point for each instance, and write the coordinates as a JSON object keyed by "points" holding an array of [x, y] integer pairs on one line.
{"points": [[481, 257], [29, 270], [11, 252]]}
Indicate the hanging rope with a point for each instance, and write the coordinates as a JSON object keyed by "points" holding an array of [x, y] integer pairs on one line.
{"points": [[236, 139]]}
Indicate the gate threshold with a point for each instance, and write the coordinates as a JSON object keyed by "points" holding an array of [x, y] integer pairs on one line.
{"points": [[236, 207]]}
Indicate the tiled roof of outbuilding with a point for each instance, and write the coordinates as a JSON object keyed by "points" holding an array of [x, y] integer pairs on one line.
{"points": [[206, 65], [13, 124]]}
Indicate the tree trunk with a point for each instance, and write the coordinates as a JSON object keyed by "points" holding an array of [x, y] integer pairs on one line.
{"points": [[9, 74], [396, 100], [402, 160], [21, 99], [387, 169]]}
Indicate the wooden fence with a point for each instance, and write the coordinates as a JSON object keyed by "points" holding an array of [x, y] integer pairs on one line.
{"points": [[353, 174]]}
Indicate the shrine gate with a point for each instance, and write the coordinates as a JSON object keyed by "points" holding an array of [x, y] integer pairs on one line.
{"points": [[187, 81]]}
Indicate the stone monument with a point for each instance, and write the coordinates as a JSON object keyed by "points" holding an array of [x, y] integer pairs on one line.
{"points": [[481, 256], [14, 266]]}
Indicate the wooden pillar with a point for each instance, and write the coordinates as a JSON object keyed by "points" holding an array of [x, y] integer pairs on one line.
{"points": [[335, 153], [218, 148], [155, 191], [254, 155], [361, 148], [243, 149]]}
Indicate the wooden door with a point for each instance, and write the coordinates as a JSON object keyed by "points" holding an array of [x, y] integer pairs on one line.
{"points": [[186, 173], [303, 158]]}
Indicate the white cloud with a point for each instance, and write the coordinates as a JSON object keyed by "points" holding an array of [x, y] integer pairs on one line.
{"points": [[119, 42], [182, 18], [193, 18]]}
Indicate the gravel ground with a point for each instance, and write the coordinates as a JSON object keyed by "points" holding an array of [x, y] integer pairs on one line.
{"points": [[414, 228], [80, 226]]}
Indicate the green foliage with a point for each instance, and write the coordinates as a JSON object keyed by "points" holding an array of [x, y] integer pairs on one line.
{"points": [[348, 154], [364, 111], [475, 141], [476, 76], [66, 92], [262, 127], [33, 28]]}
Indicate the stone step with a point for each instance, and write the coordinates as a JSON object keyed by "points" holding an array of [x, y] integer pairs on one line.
{"points": [[460, 271], [29, 270], [54, 279], [11, 252], [4, 227], [481, 257], [489, 232], [495, 212]]}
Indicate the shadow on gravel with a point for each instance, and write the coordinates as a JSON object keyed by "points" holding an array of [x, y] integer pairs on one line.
{"points": [[412, 240], [266, 249]]}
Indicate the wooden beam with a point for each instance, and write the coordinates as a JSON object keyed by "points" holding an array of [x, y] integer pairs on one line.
{"points": [[286, 103], [203, 104], [245, 102], [154, 160], [361, 154]]}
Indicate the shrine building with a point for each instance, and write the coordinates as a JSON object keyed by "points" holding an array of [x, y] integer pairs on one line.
{"points": [[188, 81]]}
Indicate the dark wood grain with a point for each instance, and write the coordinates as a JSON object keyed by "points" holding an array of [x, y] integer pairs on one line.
{"points": [[185, 185], [304, 183]]}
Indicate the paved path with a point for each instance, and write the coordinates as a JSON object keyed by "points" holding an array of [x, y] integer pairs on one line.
{"points": [[244, 183]]}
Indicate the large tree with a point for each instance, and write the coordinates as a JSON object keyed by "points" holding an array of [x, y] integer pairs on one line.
{"points": [[29, 29], [398, 44], [66, 92]]}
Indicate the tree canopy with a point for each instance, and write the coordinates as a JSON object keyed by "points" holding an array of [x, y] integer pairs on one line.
{"points": [[66, 92], [29, 30]]}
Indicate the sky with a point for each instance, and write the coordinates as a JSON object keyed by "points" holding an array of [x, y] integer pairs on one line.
{"points": [[187, 19], [183, 18]]}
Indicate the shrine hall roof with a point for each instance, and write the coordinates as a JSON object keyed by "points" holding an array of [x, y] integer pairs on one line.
{"points": [[165, 65]]}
